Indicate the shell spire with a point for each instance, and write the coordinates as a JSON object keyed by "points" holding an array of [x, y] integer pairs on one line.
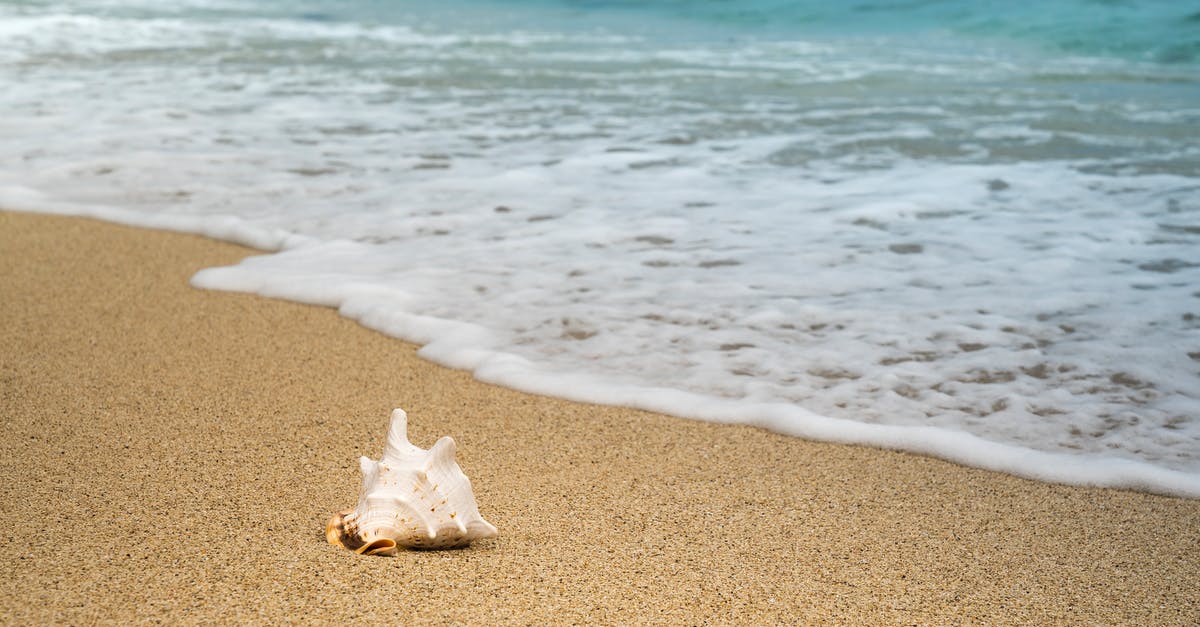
{"points": [[411, 498], [398, 447]]}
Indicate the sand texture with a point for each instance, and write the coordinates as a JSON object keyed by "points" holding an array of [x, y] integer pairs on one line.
{"points": [[171, 455]]}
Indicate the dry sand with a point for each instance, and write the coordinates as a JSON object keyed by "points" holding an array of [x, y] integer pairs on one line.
{"points": [[171, 455]]}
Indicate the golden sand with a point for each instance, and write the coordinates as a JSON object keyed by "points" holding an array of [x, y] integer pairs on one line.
{"points": [[171, 454]]}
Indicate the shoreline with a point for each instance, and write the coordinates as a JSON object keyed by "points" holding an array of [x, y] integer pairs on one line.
{"points": [[173, 454]]}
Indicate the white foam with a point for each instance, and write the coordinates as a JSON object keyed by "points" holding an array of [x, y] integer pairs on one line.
{"points": [[228, 228], [471, 347]]}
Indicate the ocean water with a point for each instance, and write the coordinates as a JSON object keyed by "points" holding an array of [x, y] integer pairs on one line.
{"points": [[954, 228]]}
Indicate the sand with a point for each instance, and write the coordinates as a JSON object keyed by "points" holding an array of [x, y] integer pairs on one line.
{"points": [[172, 455]]}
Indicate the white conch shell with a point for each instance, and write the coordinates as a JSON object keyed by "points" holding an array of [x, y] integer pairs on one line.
{"points": [[410, 498]]}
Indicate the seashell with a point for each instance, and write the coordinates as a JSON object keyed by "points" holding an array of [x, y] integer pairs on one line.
{"points": [[411, 498]]}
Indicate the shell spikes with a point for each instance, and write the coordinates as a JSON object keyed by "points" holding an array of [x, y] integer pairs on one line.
{"points": [[410, 498]]}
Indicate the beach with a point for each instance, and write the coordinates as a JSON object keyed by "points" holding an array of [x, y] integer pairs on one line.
{"points": [[874, 224], [172, 455]]}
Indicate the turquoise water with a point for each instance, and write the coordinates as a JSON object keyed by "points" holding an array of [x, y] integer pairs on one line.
{"points": [[962, 229], [1161, 31]]}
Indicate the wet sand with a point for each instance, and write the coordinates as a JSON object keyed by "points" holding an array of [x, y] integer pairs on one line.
{"points": [[172, 455]]}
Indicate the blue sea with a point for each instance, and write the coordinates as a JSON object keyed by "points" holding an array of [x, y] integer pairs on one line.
{"points": [[963, 229]]}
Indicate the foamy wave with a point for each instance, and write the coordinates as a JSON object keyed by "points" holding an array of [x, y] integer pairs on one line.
{"points": [[473, 347]]}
